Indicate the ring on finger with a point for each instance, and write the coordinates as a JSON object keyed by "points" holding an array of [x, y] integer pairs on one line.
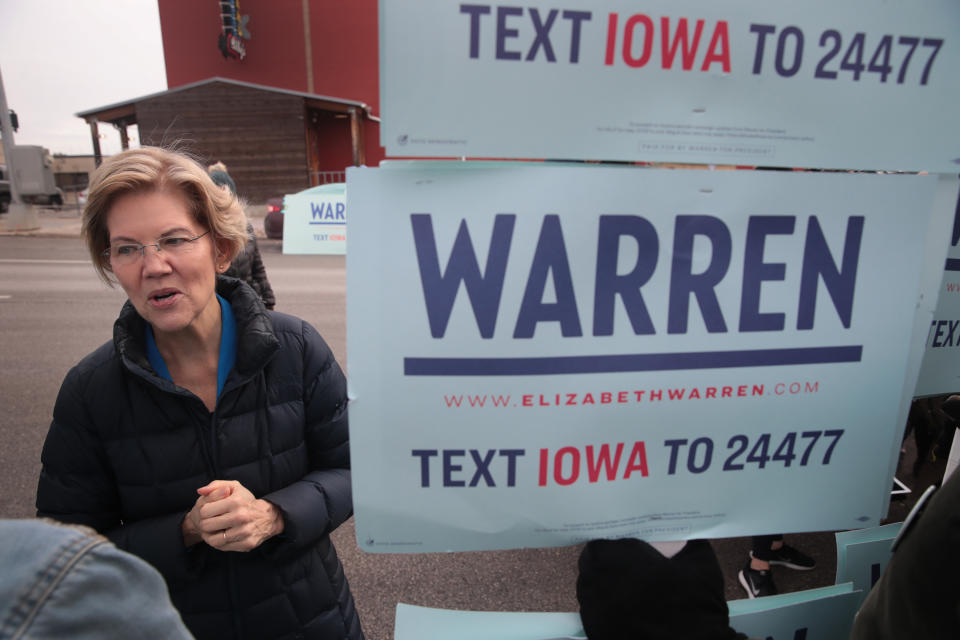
{"points": [[224, 536]]}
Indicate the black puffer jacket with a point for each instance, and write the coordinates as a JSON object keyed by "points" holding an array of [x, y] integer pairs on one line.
{"points": [[127, 451], [248, 266]]}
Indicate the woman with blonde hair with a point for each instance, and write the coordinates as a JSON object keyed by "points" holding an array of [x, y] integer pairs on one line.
{"points": [[209, 436]]}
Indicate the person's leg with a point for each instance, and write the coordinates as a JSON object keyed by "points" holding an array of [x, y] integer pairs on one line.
{"points": [[762, 551], [755, 577], [782, 554]]}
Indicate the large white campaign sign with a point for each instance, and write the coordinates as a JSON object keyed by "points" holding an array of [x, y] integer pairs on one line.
{"points": [[542, 354], [940, 372], [864, 84]]}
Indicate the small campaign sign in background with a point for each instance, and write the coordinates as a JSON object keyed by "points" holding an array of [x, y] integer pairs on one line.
{"points": [[940, 372], [863, 555], [315, 220], [826, 613], [544, 354], [864, 84]]}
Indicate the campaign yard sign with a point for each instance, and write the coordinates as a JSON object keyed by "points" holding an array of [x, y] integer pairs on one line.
{"points": [[826, 613], [863, 555], [426, 623], [940, 371], [315, 220], [864, 84], [544, 354]]}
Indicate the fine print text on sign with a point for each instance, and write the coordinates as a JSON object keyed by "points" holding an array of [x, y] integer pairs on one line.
{"points": [[737, 83], [544, 354]]}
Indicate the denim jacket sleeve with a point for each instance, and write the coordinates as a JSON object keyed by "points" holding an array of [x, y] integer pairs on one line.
{"points": [[63, 581]]}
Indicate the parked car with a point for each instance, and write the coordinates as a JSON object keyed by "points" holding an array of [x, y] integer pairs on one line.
{"points": [[273, 222]]}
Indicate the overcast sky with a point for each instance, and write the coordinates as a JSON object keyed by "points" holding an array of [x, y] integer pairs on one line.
{"points": [[59, 57]]}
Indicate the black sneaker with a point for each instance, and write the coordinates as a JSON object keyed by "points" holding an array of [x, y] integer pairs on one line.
{"points": [[757, 583], [787, 556]]}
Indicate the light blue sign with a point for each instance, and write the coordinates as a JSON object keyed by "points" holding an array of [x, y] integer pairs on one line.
{"points": [[315, 220], [940, 372], [862, 555], [545, 354], [824, 614], [864, 84], [424, 623]]}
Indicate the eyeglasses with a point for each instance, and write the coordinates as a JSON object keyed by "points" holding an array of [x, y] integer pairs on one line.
{"points": [[131, 252]]}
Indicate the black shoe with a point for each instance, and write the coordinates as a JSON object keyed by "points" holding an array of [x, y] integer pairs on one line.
{"points": [[787, 556], [757, 583]]}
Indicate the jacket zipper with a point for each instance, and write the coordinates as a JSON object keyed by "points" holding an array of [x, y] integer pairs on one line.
{"points": [[212, 455], [231, 569]]}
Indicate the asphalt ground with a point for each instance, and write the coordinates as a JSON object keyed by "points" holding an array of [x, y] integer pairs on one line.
{"points": [[516, 580]]}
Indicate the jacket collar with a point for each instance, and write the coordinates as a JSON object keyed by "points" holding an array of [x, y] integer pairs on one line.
{"points": [[256, 341]]}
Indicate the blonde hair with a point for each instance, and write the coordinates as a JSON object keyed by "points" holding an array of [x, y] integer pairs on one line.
{"points": [[217, 166], [150, 169]]}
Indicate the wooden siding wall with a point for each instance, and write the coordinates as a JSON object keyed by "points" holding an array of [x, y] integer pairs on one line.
{"points": [[259, 135]]}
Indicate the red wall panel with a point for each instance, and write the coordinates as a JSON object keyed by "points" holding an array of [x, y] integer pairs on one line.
{"points": [[343, 46], [343, 43], [345, 54]]}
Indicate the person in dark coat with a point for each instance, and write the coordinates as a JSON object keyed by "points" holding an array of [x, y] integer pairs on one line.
{"points": [[209, 437], [248, 265], [627, 588], [918, 594]]}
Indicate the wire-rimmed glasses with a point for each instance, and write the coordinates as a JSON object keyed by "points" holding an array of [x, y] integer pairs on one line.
{"points": [[127, 253]]}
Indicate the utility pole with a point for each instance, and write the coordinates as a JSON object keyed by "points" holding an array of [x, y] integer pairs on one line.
{"points": [[20, 216]]}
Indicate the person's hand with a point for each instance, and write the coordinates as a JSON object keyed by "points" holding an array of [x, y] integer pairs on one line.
{"points": [[191, 527], [228, 517]]}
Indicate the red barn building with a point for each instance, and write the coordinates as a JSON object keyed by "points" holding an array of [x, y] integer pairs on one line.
{"points": [[284, 92]]}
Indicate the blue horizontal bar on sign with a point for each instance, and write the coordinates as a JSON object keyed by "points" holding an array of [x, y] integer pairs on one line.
{"points": [[629, 362], [953, 264]]}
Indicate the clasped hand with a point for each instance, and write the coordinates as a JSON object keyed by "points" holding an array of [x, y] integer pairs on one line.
{"points": [[228, 517]]}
